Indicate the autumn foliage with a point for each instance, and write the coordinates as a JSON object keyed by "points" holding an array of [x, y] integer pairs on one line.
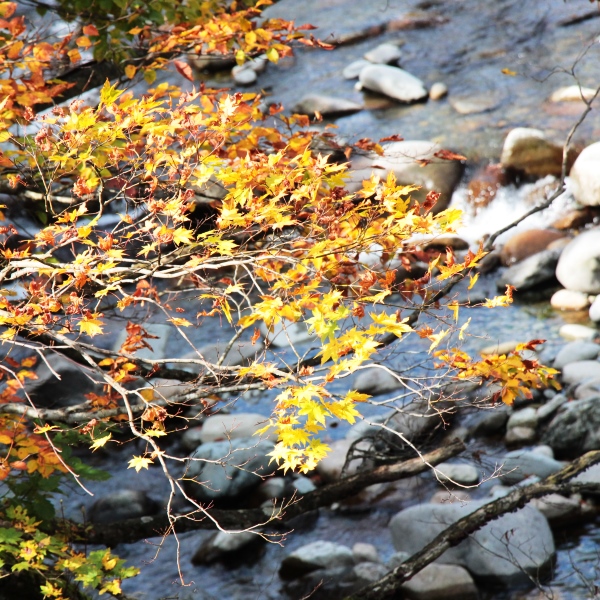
{"points": [[281, 243]]}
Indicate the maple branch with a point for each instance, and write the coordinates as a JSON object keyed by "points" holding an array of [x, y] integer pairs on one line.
{"points": [[388, 586], [134, 530]]}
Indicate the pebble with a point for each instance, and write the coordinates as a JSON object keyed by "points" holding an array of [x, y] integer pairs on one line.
{"points": [[584, 176], [392, 82], [569, 300], [574, 332], [526, 417], [520, 436], [243, 75], [577, 268], [471, 105], [325, 105], [572, 93], [352, 71], [438, 91], [594, 312], [363, 552], [384, 54]]}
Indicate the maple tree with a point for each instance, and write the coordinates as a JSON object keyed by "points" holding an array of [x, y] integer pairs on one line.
{"points": [[282, 245]]}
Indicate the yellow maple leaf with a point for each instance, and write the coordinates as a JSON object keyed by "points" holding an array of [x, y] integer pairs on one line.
{"points": [[99, 442], [90, 325], [139, 462]]}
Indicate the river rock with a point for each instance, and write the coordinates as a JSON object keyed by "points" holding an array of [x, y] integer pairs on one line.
{"points": [[575, 219], [375, 381], [472, 105], [527, 243], [590, 476], [352, 71], [47, 391], [557, 509], [443, 497], [393, 82], [519, 436], [440, 582], [537, 270], [122, 505], [461, 473], [232, 427], [316, 555], [576, 428], [579, 265], [302, 485], [576, 352], [581, 371], [369, 572], [325, 105], [585, 176], [521, 464], [505, 550], [531, 152], [587, 389], [569, 300], [594, 312], [438, 91], [441, 242], [384, 54], [404, 160], [242, 75], [363, 552], [526, 417], [490, 422], [548, 409], [240, 353], [330, 468], [224, 546], [572, 93], [286, 333], [238, 466], [575, 332], [500, 347], [273, 487]]}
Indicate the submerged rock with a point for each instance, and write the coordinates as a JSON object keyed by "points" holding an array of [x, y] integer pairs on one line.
{"points": [[393, 82], [325, 105], [506, 550]]}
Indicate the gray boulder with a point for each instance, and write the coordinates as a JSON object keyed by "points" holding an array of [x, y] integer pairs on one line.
{"points": [[585, 176], [223, 546], [75, 381], [122, 505], [530, 151], [575, 352], [393, 82], [412, 162], [576, 428], [579, 264], [521, 464], [581, 371], [535, 271], [316, 555], [229, 468], [461, 473], [441, 582], [375, 381], [505, 551]]}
